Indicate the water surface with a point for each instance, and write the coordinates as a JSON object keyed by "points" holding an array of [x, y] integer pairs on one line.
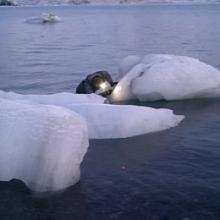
{"points": [[172, 174]]}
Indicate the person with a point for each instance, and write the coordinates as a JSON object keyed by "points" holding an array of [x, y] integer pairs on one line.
{"points": [[99, 82]]}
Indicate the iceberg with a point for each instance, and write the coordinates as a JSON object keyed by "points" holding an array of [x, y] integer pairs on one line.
{"points": [[165, 77], [122, 121], [41, 145], [106, 120]]}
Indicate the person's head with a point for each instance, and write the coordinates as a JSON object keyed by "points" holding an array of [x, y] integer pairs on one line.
{"points": [[96, 82]]}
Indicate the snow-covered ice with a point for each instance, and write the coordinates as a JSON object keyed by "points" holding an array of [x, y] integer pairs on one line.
{"points": [[122, 121], [41, 145], [167, 77]]}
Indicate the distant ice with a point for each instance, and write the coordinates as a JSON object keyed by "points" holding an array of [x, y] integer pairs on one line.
{"points": [[45, 18], [166, 77], [41, 145]]}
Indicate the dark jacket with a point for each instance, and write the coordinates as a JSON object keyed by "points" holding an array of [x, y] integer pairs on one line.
{"points": [[87, 87]]}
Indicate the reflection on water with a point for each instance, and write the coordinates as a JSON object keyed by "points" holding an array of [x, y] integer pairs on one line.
{"points": [[20, 203], [172, 174]]}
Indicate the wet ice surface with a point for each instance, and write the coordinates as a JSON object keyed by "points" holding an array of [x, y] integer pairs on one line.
{"points": [[173, 174]]}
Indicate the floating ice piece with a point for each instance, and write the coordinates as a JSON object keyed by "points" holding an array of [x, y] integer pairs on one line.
{"points": [[63, 99], [106, 121], [43, 19], [166, 77], [122, 121], [50, 18], [41, 145]]}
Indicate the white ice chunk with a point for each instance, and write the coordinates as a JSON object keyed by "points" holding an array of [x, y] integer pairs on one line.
{"points": [[49, 18], [41, 145], [127, 64], [122, 121], [63, 99], [107, 121], [167, 77], [45, 18]]}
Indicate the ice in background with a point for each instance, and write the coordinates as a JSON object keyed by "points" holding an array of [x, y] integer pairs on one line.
{"points": [[41, 145], [166, 77], [38, 58], [45, 18]]}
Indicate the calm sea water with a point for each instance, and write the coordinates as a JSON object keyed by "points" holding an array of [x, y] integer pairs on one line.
{"points": [[173, 174]]}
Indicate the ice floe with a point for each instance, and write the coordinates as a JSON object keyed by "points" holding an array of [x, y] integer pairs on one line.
{"points": [[166, 77], [45, 18], [122, 121], [106, 120], [41, 145]]}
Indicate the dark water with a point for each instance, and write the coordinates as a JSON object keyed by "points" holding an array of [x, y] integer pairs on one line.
{"points": [[174, 174]]}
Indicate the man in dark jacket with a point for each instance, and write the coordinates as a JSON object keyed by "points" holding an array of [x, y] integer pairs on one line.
{"points": [[99, 82]]}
